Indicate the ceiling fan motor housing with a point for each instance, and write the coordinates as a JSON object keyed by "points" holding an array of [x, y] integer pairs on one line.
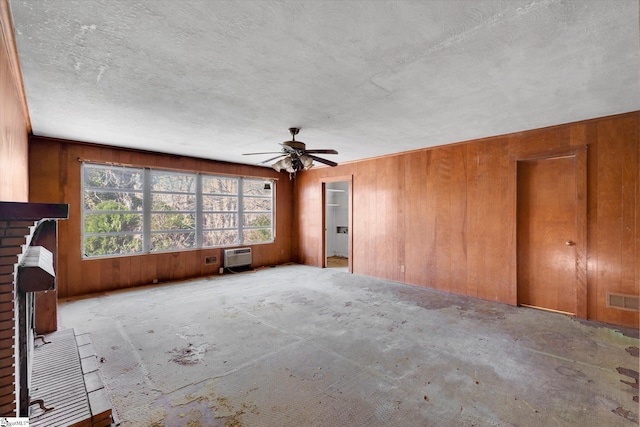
{"points": [[296, 145]]}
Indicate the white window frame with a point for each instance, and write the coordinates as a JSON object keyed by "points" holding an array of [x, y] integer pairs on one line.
{"points": [[146, 211], [148, 232], [241, 210]]}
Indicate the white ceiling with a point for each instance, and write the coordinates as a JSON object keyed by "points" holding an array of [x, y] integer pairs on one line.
{"points": [[216, 79]]}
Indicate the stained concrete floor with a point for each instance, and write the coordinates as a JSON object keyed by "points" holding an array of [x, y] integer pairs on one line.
{"points": [[302, 346]]}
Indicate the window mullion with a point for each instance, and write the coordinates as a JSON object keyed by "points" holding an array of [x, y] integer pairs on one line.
{"points": [[240, 211], [199, 237], [146, 211]]}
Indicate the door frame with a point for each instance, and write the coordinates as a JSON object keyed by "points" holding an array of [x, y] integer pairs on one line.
{"points": [[349, 180], [579, 152]]}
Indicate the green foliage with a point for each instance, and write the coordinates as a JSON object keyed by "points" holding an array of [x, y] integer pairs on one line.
{"points": [[172, 221], [260, 234], [112, 223]]}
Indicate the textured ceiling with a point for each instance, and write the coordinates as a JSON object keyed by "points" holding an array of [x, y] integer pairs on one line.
{"points": [[216, 79]]}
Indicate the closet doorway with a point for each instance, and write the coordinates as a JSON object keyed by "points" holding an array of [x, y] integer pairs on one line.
{"points": [[337, 240]]}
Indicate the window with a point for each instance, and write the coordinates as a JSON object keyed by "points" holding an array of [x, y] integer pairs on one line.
{"points": [[134, 210], [219, 211], [256, 212], [112, 210], [173, 211]]}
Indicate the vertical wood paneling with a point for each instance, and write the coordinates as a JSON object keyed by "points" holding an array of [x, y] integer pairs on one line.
{"points": [[429, 222], [415, 202], [454, 226], [609, 228], [55, 177], [458, 203], [364, 224], [14, 177], [14, 187], [442, 166], [581, 233], [629, 212], [592, 220], [387, 217], [474, 220]]}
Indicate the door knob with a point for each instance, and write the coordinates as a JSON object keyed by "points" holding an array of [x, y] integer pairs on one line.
{"points": [[570, 243]]}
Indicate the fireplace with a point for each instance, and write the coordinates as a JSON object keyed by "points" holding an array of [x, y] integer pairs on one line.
{"points": [[28, 249]]}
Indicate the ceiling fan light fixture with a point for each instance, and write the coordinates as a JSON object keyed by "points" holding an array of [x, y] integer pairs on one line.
{"points": [[307, 162], [296, 156], [285, 164]]}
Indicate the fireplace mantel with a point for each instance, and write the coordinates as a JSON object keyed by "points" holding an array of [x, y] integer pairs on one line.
{"points": [[19, 211]]}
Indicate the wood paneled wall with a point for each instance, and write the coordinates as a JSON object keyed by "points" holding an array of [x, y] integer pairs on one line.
{"points": [[55, 177], [14, 187], [447, 213], [14, 124]]}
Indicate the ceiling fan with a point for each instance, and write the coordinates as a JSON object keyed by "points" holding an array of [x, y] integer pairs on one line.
{"points": [[295, 156]]}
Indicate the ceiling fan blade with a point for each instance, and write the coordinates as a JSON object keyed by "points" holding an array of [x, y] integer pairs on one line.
{"points": [[273, 158], [322, 151], [321, 160], [267, 152]]}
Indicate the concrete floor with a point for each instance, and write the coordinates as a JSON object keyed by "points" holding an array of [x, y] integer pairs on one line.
{"points": [[302, 346]]}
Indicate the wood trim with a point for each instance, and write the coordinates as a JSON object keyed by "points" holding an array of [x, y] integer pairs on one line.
{"points": [[176, 169], [568, 151], [580, 154], [513, 229], [323, 225], [488, 138], [581, 232], [548, 309], [137, 157], [323, 182], [33, 211], [6, 28]]}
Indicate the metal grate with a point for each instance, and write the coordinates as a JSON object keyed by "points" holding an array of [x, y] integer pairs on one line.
{"points": [[624, 302], [237, 257]]}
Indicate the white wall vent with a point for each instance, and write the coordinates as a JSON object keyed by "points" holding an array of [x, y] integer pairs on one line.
{"points": [[623, 302], [237, 257]]}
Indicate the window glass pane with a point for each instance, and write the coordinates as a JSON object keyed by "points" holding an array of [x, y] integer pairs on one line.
{"points": [[175, 182], [170, 241], [219, 203], [109, 177], [256, 220], [260, 204], [173, 221], [123, 201], [173, 202], [254, 187], [112, 245], [219, 238], [219, 185], [114, 209], [112, 222], [222, 220], [257, 235]]}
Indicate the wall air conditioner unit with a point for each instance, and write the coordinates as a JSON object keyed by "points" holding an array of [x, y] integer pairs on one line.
{"points": [[237, 257]]}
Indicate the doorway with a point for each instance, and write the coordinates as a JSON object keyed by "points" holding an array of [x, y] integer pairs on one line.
{"points": [[551, 231], [337, 225]]}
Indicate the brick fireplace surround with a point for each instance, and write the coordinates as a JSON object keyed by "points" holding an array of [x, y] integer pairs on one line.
{"points": [[18, 221]]}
